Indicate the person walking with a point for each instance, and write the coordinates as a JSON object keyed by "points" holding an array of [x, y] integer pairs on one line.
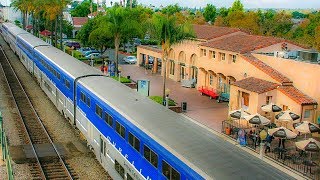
{"points": [[268, 143]]}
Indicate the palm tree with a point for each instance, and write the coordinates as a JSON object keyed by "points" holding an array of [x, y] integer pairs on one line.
{"points": [[121, 24], [165, 29], [25, 6]]}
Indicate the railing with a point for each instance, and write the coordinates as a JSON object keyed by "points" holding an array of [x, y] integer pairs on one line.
{"points": [[290, 157], [5, 150]]}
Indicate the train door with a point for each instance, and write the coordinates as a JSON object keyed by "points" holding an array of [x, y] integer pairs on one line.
{"points": [[30, 67], [103, 149]]}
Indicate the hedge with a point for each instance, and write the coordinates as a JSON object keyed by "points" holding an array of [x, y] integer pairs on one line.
{"points": [[158, 99]]}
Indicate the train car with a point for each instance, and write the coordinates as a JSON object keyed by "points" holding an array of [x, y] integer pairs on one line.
{"points": [[4, 30], [132, 136], [26, 43], [57, 72], [12, 35]]}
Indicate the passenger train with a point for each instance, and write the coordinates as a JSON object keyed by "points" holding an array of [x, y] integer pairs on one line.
{"points": [[131, 136]]}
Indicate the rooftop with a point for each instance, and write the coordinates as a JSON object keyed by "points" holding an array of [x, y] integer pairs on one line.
{"points": [[297, 95], [276, 75], [151, 48], [79, 21], [243, 43], [207, 32], [256, 85]]}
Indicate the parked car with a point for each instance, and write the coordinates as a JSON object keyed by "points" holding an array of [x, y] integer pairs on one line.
{"points": [[90, 52], [130, 59], [151, 59], [93, 56], [75, 45], [83, 50]]}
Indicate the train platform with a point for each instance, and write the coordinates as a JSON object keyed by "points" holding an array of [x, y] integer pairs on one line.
{"points": [[200, 108]]}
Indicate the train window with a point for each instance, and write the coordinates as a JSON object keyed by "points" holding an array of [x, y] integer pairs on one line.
{"points": [[58, 75], [99, 111], [169, 172], [83, 97], [120, 129], [129, 177], [67, 83], [134, 141], [88, 102], [119, 168], [108, 119], [151, 156]]}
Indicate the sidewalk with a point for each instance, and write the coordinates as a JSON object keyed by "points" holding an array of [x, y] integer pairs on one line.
{"points": [[204, 110]]}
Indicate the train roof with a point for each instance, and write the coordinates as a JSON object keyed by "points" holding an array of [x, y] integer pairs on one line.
{"points": [[67, 63], [16, 30], [194, 145], [32, 40], [8, 25]]}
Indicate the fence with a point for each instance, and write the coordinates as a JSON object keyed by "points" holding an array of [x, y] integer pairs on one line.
{"points": [[298, 161], [5, 150]]}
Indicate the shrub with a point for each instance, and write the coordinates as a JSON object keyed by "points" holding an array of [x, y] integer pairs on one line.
{"points": [[122, 79], [158, 99]]}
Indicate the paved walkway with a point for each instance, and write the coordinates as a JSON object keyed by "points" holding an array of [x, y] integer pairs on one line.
{"points": [[200, 108]]}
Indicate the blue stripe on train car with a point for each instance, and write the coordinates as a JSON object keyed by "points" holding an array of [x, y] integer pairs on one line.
{"points": [[147, 169], [58, 82]]}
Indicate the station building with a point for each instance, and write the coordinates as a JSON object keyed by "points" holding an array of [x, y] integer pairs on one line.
{"points": [[254, 70]]}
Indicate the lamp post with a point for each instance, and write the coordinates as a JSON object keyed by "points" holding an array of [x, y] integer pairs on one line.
{"points": [[167, 92], [119, 71]]}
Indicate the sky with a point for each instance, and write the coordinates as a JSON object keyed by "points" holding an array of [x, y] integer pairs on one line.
{"points": [[247, 3], [292, 4]]}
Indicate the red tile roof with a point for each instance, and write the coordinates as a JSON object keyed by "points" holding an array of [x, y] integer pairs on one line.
{"points": [[276, 75], [297, 95], [243, 43], [208, 32], [79, 21], [256, 85]]}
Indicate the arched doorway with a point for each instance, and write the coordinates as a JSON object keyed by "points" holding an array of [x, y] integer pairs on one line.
{"points": [[212, 79], [182, 71], [221, 84], [171, 63], [193, 71]]}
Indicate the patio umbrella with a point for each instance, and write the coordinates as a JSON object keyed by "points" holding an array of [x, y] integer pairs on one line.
{"points": [[238, 114], [271, 108], [306, 127], [257, 119], [287, 116], [282, 132], [310, 144]]}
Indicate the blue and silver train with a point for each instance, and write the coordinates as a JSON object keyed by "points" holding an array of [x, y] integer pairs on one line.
{"points": [[131, 136]]}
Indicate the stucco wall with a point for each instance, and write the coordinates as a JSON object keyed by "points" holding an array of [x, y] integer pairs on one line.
{"points": [[305, 76], [278, 47]]}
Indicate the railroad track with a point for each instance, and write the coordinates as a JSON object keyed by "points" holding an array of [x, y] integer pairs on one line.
{"points": [[35, 133]]}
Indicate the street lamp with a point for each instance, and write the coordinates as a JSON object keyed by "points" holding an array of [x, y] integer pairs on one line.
{"points": [[167, 92], [119, 71]]}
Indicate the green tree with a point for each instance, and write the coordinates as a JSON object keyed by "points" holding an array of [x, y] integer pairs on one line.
{"points": [[120, 22], [210, 12], [165, 29], [86, 29], [237, 6], [25, 6], [223, 12], [171, 9], [83, 9], [100, 38], [132, 3]]}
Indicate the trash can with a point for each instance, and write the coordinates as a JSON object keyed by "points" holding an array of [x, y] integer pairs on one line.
{"points": [[184, 106], [228, 130], [128, 77]]}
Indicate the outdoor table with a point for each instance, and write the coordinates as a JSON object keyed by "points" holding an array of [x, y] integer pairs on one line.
{"points": [[308, 164]]}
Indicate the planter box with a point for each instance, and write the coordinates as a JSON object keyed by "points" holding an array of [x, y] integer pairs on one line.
{"points": [[176, 109], [132, 85]]}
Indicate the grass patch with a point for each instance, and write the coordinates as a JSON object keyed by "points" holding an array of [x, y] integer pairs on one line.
{"points": [[158, 99], [122, 79]]}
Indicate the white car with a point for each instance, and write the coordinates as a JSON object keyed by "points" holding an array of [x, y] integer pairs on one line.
{"points": [[130, 59]]}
